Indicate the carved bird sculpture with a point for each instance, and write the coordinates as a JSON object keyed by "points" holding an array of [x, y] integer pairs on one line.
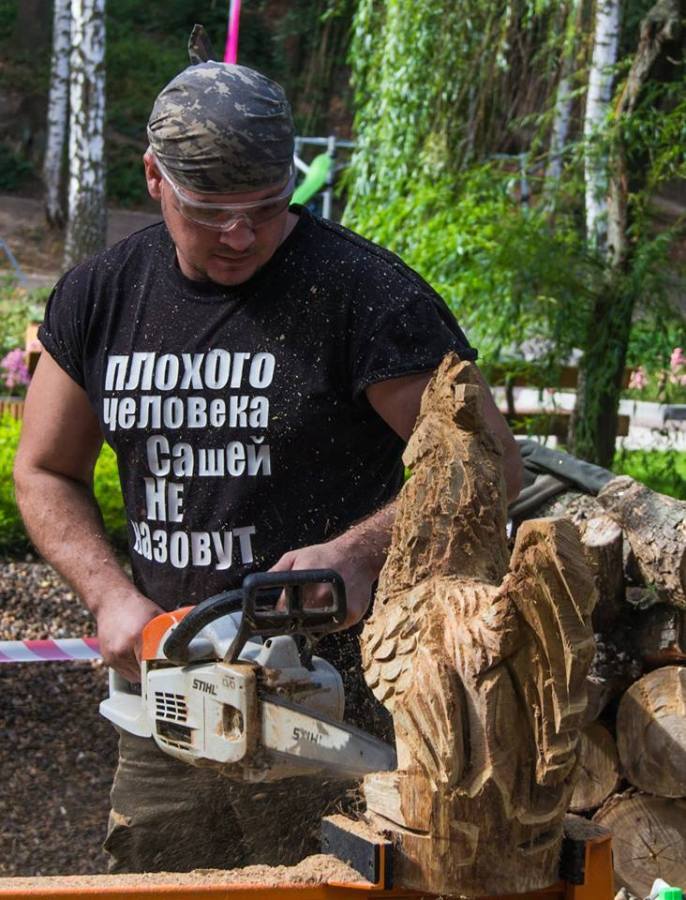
{"points": [[481, 661]]}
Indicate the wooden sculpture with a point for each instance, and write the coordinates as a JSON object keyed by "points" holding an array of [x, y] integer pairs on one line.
{"points": [[481, 661]]}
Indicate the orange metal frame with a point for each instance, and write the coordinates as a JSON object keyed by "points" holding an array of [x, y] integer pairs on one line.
{"points": [[598, 885]]}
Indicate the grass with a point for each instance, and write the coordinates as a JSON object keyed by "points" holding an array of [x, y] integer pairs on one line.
{"points": [[662, 470]]}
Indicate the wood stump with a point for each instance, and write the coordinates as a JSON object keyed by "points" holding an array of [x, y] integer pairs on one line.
{"points": [[648, 840], [598, 769], [655, 526], [651, 733], [481, 662]]}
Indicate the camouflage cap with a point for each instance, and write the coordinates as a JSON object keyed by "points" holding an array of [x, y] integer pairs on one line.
{"points": [[222, 128]]}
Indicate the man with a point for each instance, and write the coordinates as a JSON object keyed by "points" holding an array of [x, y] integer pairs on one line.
{"points": [[257, 371]]}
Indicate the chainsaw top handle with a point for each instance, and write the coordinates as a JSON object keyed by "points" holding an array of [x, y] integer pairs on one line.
{"points": [[258, 599]]}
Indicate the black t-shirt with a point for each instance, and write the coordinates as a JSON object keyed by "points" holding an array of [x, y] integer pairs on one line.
{"points": [[238, 415]]}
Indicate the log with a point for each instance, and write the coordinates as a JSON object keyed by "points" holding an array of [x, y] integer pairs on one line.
{"points": [[598, 769], [648, 840], [603, 544], [655, 527], [651, 732], [613, 670], [481, 665], [660, 635], [579, 508]]}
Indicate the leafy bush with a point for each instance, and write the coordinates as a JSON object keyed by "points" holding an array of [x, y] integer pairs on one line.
{"points": [[108, 495], [17, 309], [13, 537], [504, 272], [661, 470]]}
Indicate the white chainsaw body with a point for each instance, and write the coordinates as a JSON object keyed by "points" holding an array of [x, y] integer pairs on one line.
{"points": [[262, 718]]}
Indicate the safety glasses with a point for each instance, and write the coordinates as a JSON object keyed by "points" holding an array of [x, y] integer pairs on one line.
{"points": [[223, 217]]}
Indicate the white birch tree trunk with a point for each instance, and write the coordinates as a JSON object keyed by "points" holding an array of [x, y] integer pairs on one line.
{"points": [[87, 222], [598, 97], [562, 114], [57, 113]]}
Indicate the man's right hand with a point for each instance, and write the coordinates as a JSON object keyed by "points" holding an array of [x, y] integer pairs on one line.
{"points": [[121, 619]]}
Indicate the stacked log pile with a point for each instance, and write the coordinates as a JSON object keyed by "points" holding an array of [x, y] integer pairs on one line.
{"points": [[633, 749]]}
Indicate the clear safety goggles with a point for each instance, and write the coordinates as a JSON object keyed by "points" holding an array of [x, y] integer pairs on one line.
{"points": [[225, 216]]}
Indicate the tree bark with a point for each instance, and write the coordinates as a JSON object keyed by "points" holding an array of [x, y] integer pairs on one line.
{"points": [[602, 541], [86, 230], [598, 769], [648, 840], [660, 635], [655, 527], [598, 97], [651, 732], [57, 113], [564, 102], [593, 426], [458, 654], [613, 670]]}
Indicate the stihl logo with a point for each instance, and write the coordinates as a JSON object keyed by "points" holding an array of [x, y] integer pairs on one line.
{"points": [[302, 734], [204, 686]]}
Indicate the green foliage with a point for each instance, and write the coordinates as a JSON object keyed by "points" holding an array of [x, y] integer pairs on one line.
{"points": [[656, 332], [507, 276], [108, 494], [436, 85], [663, 471], [17, 309], [13, 537]]}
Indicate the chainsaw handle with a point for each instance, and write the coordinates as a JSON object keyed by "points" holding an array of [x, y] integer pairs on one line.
{"points": [[260, 618], [176, 647], [266, 620]]}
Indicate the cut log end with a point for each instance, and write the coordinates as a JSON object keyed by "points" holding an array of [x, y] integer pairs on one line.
{"points": [[598, 772], [651, 732], [648, 840]]}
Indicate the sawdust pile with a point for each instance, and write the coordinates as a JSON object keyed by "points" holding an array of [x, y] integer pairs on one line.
{"points": [[316, 869]]}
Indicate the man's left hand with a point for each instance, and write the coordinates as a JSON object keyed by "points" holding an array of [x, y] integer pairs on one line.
{"points": [[357, 573]]}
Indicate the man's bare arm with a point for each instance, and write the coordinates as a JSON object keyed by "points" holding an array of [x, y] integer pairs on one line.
{"points": [[53, 475]]}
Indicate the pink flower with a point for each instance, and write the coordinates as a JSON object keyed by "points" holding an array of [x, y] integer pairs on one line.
{"points": [[677, 359], [638, 379], [14, 371]]}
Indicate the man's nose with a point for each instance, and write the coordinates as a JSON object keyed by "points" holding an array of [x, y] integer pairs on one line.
{"points": [[239, 236]]}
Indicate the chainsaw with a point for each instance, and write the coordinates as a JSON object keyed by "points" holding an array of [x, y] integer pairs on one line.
{"points": [[233, 683]]}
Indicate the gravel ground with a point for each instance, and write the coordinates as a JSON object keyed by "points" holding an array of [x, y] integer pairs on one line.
{"points": [[57, 754]]}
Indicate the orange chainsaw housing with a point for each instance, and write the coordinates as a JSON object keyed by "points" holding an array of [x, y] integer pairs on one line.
{"points": [[156, 628]]}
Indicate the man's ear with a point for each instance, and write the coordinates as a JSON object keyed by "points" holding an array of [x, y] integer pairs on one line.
{"points": [[153, 179]]}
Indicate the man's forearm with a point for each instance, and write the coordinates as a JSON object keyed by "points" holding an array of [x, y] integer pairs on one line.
{"points": [[357, 555], [369, 539], [64, 523]]}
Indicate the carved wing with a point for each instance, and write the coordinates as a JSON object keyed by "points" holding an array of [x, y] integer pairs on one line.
{"points": [[553, 592]]}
